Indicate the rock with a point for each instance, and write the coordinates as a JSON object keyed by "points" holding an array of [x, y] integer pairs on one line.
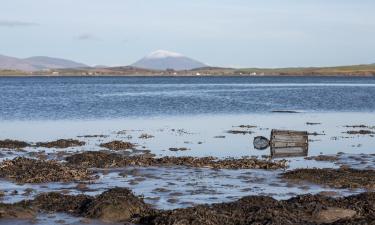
{"points": [[56, 202], [335, 178], [93, 136], [312, 123], [329, 158], [247, 126], [21, 210], [362, 132], [118, 145], [114, 160], [116, 205], [82, 187], [261, 143], [120, 205], [145, 136], [27, 170], [178, 149], [28, 192], [220, 136], [331, 215], [239, 132], [61, 143], [13, 144]]}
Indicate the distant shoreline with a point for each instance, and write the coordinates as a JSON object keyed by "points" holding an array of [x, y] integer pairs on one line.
{"points": [[186, 76], [339, 71]]}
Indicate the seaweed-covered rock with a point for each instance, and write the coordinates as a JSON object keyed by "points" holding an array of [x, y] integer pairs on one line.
{"points": [[13, 144], [118, 145], [57, 202], [61, 143], [336, 178], [26, 170], [363, 132], [328, 158], [113, 160], [120, 205], [304, 209], [115, 205], [97, 159], [20, 210]]}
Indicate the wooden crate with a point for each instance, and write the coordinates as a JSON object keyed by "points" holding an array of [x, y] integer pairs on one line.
{"points": [[288, 143]]}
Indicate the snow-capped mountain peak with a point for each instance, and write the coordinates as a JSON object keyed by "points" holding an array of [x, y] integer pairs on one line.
{"points": [[159, 54]]}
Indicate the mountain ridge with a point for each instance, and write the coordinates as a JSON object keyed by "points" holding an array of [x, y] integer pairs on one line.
{"points": [[163, 60], [36, 63]]}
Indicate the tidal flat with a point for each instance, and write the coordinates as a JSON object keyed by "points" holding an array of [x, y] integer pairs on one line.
{"points": [[217, 175]]}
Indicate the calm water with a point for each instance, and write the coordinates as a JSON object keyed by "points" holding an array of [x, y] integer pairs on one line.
{"points": [[38, 98]]}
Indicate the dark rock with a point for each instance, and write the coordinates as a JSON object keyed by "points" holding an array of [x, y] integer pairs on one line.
{"points": [[118, 145], [178, 149], [20, 210], [239, 132], [61, 143], [329, 158], [362, 132], [312, 124], [13, 144], [336, 178], [113, 160], [27, 170], [145, 136], [57, 202], [116, 205]]}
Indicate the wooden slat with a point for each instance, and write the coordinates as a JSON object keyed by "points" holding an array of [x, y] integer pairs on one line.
{"points": [[276, 138], [288, 144], [289, 150], [294, 154], [288, 132]]}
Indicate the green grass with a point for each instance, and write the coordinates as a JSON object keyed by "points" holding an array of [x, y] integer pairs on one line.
{"points": [[339, 70]]}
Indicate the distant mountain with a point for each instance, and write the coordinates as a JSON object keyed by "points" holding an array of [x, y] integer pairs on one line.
{"points": [[7, 62], [37, 63], [43, 62], [162, 60]]}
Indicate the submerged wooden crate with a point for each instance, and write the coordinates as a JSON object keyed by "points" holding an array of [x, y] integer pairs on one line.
{"points": [[288, 143]]}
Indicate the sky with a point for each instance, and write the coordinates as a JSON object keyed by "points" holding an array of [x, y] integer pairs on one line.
{"points": [[232, 33]]}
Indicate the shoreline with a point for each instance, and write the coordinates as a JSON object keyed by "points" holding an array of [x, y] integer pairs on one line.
{"points": [[345, 71], [189, 75]]}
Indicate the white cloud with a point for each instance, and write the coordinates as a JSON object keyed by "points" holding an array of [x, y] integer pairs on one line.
{"points": [[13, 23]]}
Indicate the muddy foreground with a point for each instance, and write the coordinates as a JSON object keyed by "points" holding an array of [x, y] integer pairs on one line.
{"points": [[121, 205]]}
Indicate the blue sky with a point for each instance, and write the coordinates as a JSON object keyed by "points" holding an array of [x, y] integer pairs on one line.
{"points": [[240, 33]]}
